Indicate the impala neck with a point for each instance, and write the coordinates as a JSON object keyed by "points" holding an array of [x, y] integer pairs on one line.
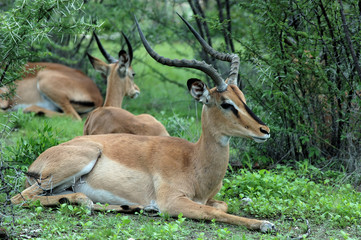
{"points": [[115, 93], [213, 151]]}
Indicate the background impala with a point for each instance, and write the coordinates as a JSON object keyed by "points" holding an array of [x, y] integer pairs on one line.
{"points": [[54, 89], [111, 118]]}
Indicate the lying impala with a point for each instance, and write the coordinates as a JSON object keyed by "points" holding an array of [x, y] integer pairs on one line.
{"points": [[53, 89], [169, 174], [111, 118]]}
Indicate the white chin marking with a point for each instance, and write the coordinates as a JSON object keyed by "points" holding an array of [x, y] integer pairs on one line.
{"points": [[259, 140]]}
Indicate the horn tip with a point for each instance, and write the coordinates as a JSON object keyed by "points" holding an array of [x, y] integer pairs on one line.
{"points": [[90, 57]]}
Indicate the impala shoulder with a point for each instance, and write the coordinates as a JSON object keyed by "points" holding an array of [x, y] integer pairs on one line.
{"points": [[145, 117], [114, 113]]}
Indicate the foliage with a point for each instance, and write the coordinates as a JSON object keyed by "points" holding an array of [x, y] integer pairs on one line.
{"points": [[25, 151], [182, 127], [25, 146], [27, 25], [288, 192], [306, 77], [22, 138]]}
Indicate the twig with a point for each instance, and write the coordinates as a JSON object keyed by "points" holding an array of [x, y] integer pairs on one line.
{"points": [[4, 72]]}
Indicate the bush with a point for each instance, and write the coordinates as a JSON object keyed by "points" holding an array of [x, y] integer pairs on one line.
{"points": [[305, 77], [26, 150], [289, 194]]}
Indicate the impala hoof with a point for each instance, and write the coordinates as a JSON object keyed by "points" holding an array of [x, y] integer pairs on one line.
{"points": [[267, 227]]}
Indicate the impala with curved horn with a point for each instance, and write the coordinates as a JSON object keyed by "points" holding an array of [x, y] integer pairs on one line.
{"points": [[168, 174], [111, 118], [53, 89]]}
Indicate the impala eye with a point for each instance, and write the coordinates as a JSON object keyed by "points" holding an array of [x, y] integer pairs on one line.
{"points": [[228, 106]]}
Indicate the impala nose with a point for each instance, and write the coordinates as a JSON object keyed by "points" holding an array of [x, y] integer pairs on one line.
{"points": [[264, 130]]}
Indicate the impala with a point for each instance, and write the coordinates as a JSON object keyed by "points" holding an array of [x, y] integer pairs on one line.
{"points": [[168, 174], [53, 89], [111, 118]]}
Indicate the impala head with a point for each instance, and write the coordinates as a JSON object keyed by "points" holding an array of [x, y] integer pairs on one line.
{"points": [[117, 69], [225, 109]]}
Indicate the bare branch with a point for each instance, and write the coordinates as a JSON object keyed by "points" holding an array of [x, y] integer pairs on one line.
{"points": [[4, 72], [229, 26], [349, 42]]}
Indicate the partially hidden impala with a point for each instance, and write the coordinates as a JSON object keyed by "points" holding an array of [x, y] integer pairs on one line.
{"points": [[168, 174], [53, 89], [111, 118]]}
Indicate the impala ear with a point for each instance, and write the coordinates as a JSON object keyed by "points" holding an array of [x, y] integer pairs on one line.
{"points": [[123, 62], [123, 56], [198, 90], [98, 64]]}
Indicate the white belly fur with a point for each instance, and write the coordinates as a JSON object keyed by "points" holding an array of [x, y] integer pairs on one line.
{"points": [[100, 195], [44, 104]]}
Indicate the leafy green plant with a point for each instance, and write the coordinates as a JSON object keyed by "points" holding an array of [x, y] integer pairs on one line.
{"points": [[290, 195], [26, 150], [28, 25], [74, 210], [312, 106]]}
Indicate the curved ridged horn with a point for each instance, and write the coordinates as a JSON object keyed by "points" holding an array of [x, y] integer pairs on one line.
{"points": [[232, 58], [107, 56], [130, 49], [200, 65]]}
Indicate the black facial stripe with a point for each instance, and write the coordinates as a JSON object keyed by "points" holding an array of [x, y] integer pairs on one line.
{"points": [[252, 114], [249, 110], [235, 111], [228, 106]]}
